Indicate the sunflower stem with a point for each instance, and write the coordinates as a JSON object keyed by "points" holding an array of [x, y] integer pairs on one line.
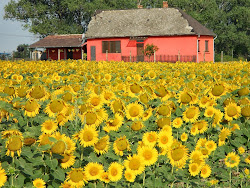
{"points": [[61, 129], [172, 170], [143, 179], [230, 177]]}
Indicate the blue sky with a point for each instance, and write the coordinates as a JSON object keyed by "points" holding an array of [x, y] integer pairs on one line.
{"points": [[12, 33]]}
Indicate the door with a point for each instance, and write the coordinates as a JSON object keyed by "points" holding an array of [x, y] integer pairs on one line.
{"points": [[92, 53], [69, 54], [140, 55]]}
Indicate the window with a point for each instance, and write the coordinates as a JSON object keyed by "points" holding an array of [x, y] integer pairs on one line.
{"points": [[198, 45], [111, 46], [206, 46]]}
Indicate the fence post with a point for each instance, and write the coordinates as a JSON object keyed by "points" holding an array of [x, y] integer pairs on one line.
{"points": [[58, 51], [179, 57], [221, 57], [130, 57], [204, 56], [106, 55], [154, 56]]}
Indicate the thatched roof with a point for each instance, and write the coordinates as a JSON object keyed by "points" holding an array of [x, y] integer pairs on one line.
{"points": [[55, 41], [144, 22]]}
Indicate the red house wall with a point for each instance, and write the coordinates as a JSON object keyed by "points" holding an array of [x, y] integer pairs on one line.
{"points": [[63, 53], [168, 45], [209, 55]]}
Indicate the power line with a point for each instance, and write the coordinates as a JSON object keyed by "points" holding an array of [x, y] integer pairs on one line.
{"points": [[15, 35]]}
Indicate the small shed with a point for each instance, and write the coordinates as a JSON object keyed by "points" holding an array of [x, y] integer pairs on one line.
{"points": [[121, 35], [59, 47]]}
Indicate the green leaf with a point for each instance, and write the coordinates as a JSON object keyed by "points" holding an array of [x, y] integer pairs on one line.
{"points": [[57, 156], [20, 180], [52, 163], [59, 174], [178, 112], [26, 151], [45, 147], [52, 139]]}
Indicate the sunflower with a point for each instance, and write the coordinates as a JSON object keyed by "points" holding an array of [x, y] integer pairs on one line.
{"points": [[151, 74], [197, 157], [39, 183], [165, 139], [205, 171], [134, 89], [134, 111], [3, 176], [22, 91], [150, 138], [31, 108], [135, 163], [218, 115], [102, 145], [177, 154], [184, 137], [67, 161], [14, 144], [38, 93], [241, 150], [59, 147], [209, 112], [114, 124], [164, 110], [9, 133], [194, 169], [137, 125], [177, 122], [44, 139], [186, 97], [120, 145], [102, 115], [224, 133], [247, 159], [210, 145], [90, 118], [117, 106], [76, 177], [105, 177], [203, 102], [88, 136], [235, 126], [149, 154], [61, 119], [115, 171], [96, 101], [164, 122], [129, 175], [201, 126], [194, 130], [108, 95], [28, 141], [232, 111], [93, 171], [162, 92], [218, 90], [144, 98], [49, 126], [232, 160], [56, 106], [245, 111], [191, 114]]}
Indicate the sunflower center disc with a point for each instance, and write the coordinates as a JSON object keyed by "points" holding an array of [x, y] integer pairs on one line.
{"points": [[231, 111], [76, 176]]}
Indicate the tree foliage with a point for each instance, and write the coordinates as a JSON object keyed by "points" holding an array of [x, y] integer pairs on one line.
{"points": [[229, 19], [22, 51]]}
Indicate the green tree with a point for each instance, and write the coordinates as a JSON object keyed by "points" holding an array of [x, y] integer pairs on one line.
{"points": [[229, 19], [22, 51]]}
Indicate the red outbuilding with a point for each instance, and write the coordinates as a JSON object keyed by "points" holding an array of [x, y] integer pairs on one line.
{"points": [[58, 47], [123, 34]]}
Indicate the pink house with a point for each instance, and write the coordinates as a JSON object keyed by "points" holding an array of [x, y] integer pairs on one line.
{"points": [[123, 34]]}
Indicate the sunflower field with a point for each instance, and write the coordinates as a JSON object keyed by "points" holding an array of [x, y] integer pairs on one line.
{"points": [[114, 124]]}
